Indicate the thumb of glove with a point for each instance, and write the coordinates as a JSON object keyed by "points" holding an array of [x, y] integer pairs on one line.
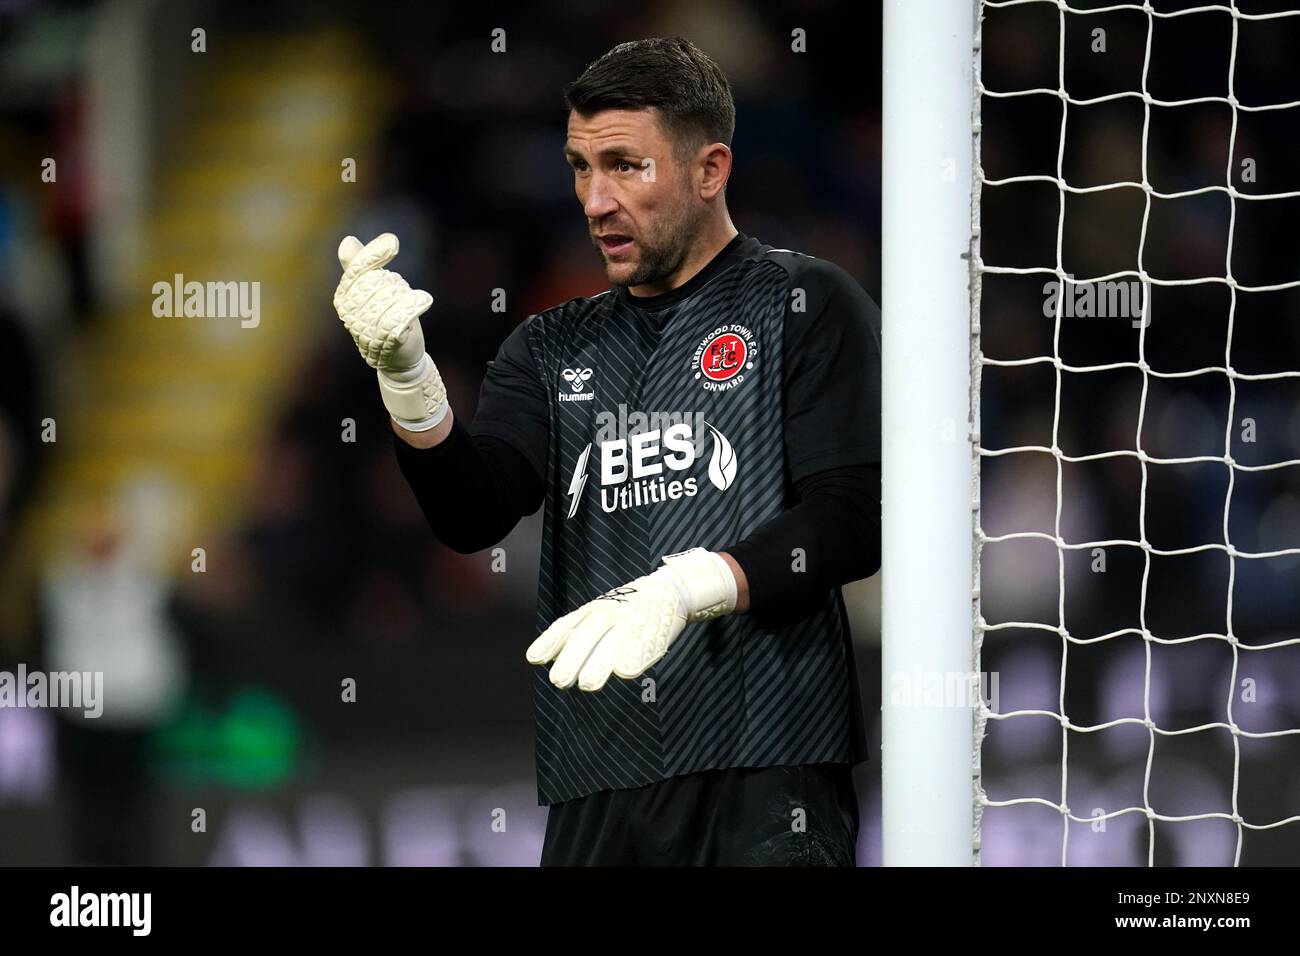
{"points": [[348, 248], [376, 254]]}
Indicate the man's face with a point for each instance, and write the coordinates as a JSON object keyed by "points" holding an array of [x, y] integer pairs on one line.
{"points": [[641, 209]]}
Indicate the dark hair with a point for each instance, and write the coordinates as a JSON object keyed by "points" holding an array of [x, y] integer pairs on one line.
{"points": [[669, 73]]}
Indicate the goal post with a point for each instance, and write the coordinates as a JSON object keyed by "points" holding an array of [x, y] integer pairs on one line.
{"points": [[929, 754]]}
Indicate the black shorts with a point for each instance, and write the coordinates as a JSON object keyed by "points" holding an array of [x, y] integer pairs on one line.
{"points": [[743, 816]]}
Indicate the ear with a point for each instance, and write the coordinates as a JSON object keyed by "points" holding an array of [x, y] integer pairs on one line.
{"points": [[714, 162]]}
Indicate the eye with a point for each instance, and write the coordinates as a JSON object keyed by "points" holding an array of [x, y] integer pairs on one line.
{"points": [[624, 162], [579, 165]]}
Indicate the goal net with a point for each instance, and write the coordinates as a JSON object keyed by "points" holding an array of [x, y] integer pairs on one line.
{"points": [[1114, 204]]}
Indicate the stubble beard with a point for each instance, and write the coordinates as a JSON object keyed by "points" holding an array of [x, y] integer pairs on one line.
{"points": [[663, 253]]}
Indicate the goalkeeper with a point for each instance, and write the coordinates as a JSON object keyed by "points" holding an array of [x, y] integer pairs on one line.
{"points": [[705, 439]]}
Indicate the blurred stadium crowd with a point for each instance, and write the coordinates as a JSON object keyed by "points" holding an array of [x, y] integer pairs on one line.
{"points": [[319, 567], [328, 570]]}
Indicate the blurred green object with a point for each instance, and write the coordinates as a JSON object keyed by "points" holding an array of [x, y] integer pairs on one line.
{"points": [[254, 742]]}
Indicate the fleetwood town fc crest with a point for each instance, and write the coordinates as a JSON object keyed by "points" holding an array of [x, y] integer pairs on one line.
{"points": [[724, 356]]}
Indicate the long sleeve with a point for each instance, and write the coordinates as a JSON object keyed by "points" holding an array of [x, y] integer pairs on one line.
{"points": [[829, 538], [831, 534], [474, 486], [473, 489]]}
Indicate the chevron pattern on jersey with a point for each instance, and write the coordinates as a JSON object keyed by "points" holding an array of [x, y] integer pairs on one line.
{"points": [[729, 693]]}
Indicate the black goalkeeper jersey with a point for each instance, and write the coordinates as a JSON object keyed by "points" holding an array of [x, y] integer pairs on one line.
{"points": [[661, 424]]}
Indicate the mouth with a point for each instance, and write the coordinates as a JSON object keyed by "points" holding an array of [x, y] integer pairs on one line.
{"points": [[613, 244]]}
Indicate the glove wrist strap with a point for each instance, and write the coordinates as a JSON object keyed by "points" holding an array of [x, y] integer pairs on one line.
{"points": [[706, 582], [418, 400]]}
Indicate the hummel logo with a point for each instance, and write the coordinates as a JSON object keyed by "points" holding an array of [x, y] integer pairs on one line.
{"points": [[576, 377]]}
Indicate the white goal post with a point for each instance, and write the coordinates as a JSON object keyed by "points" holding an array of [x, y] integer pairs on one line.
{"points": [[928, 470]]}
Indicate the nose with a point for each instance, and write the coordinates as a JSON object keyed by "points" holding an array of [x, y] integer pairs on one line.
{"points": [[599, 201]]}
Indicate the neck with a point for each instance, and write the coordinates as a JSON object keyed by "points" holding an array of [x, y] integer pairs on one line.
{"points": [[712, 241]]}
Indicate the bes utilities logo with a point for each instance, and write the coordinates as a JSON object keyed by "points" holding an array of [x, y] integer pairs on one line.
{"points": [[723, 357], [644, 469]]}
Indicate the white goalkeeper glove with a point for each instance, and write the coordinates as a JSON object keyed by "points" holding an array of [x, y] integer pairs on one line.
{"points": [[382, 313], [627, 629]]}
